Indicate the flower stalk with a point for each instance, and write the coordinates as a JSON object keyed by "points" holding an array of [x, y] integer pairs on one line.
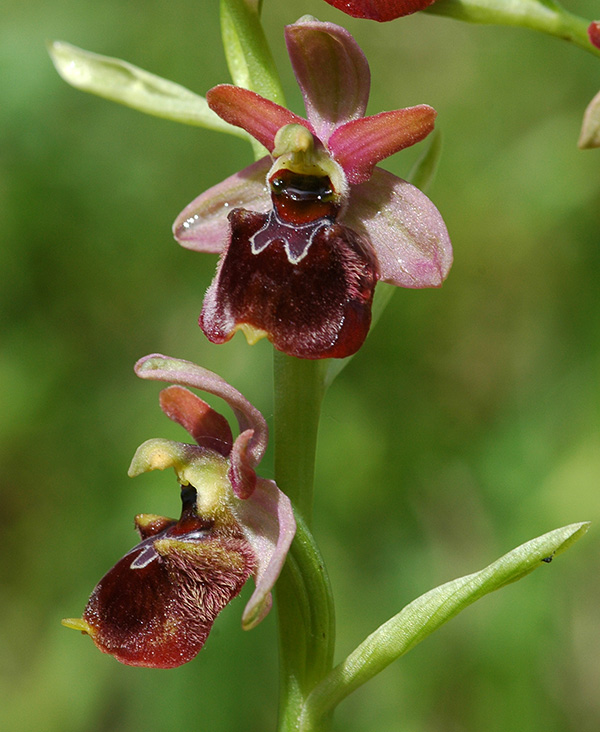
{"points": [[426, 614], [545, 16], [303, 595]]}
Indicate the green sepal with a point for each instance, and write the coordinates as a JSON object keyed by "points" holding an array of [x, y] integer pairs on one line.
{"points": [[426, 614], [127, 84], [203, 469]]}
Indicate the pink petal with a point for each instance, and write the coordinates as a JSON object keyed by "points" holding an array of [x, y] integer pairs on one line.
{"points": [[381, 10], [360, 144], [157, 367], [268, 522], [243, 108], [241, 474], [332, 72], [209, 428], [203, 226], [406, 230]]}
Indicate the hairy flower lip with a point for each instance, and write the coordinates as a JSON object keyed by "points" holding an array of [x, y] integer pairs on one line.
{"points": [[315, 302]]}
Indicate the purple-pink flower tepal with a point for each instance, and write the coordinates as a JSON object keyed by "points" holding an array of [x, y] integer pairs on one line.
{"points": [[594, 33], [156, 606], [305, 233], [380, 10]]}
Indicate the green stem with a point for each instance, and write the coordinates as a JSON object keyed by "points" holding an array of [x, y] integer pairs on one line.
{"points": [[304, 600], [546, 16], [298, 392]]}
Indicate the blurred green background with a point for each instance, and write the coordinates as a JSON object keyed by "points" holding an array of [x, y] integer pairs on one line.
{"points": [[467, 424]]}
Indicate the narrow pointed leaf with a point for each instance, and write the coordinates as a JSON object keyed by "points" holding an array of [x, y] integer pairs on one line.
{"points": [[423, 171], [427, 613], [249, 57], [546, 16], [122, 82]]}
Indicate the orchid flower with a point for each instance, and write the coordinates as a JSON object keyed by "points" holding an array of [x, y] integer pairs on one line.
{"points": [[156, 606], [381, 10], [305, 233]]}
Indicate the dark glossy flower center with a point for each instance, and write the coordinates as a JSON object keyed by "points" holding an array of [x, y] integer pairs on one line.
{"points": [[190, 527], [300, 199]]}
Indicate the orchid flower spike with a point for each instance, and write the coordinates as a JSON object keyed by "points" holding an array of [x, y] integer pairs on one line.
{"points": [[156, 606], [305, 233]]}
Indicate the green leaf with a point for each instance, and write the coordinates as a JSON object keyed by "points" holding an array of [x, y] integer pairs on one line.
{"points": [[426, 614], [122, 82]]}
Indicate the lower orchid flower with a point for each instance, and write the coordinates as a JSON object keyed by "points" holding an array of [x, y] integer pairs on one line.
{"points": [[305, 233], [156, 606]]}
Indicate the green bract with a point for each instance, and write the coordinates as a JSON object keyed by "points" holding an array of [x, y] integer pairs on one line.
{"points": [[123, 82], [426, 614]]}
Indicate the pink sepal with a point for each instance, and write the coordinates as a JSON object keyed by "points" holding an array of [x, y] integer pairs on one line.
{"points": [[267, 520], [406, 230], [157, 367], [241, 473], [203, 226], [332, 72]]}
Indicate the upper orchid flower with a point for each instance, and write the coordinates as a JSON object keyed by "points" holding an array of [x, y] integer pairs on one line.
{"points": [[156, 606], [381, 10], [305, 233]]}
